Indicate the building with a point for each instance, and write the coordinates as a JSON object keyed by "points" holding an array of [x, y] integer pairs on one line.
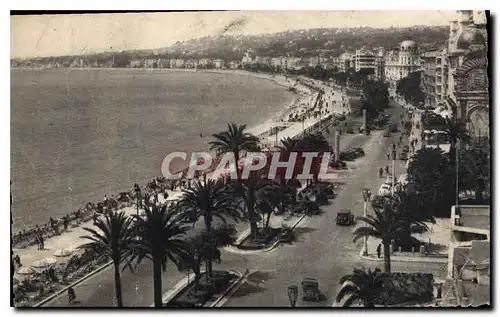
{"points": [[235, 64], [380, 65], [467, 77], [468, 274], [344, 62], [400, 63], [365, 60]]}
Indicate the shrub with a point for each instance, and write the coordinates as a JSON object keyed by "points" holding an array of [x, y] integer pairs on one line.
{"points": [[399, 288]]}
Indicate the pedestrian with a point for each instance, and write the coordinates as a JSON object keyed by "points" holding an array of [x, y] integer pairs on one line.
{"points": [[17, 260], [379, 250], [94, 218], [65, 222], [388, 155], [387, 169], [42, 242], [381, 172]]}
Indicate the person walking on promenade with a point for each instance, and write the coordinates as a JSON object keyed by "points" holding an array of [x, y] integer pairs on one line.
{"points": [[379, 250], [65, 222], [94, 218], [387, 169], [381, 172], [388, 155], [42, 242]]}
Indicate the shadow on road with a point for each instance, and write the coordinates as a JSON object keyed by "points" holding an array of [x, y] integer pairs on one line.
{"points": [[302, 230]]}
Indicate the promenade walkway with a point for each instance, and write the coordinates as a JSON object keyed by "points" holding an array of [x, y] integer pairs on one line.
{"points": [[68, 240]]}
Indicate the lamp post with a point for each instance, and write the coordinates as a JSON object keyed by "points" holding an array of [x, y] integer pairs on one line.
{"points": [[293, 292], [137, 195], [393, 167], [366, 197]]}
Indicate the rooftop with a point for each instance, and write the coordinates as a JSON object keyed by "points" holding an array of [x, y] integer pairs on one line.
{"points": [[475, 216]]}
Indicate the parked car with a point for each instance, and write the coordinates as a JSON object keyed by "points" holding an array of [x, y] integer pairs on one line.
{"points": [[406, 148], [310, 290], [358, 151], [338, 164], [403, 156], [344, 218], [388, 180], [393, 127], [386, 134], [384, 190]]}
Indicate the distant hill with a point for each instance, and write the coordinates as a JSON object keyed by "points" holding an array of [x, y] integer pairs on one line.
{"points": [[331, 42], [304, 43]]}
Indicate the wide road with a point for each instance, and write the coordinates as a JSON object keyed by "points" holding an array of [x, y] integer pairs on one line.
{"points": [[322, 250]]}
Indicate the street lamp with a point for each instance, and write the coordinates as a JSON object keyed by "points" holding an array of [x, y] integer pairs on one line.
{"points": [[393, 167], [293, 292], [137, 195], [366, 197]]}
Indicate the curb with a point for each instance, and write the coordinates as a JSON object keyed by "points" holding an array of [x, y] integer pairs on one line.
{"points": [[56, 294], [406, 259], [228, 290], [246, 233], [169, 295]]}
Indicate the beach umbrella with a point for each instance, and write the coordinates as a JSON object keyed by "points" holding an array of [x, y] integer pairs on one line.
{"points": [[62, 253], [25, 270], [43, 263]]}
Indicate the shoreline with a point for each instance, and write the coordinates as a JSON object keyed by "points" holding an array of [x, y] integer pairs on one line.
{"points": [[302, 93]]}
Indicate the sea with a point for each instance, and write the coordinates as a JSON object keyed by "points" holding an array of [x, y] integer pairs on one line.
{"points": [[80, 134]]}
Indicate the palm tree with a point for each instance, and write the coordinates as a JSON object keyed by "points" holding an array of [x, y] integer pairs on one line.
{"points": [[476, 175], [288, 145], [314, 142], [160, 235], [383, 225], [114, 238], [234, 140], [362, 286], [455, 130], [409, 210], [209, 199], [257, 194], [433, 179]]}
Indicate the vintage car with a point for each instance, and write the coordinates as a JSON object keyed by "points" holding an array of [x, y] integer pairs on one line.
{"points": [[310, 289], [345, 218]]}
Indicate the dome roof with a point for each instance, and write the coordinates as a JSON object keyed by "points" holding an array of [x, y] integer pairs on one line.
{"points": [[468, 37], [408, 45]]}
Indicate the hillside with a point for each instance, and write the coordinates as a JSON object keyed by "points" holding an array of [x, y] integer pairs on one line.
{"points": [[303, 43]]}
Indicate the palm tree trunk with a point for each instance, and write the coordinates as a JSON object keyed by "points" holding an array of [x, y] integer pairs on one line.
{"points": [[118, 284], [208, 223], [453, 149], [237, 158], [282, 195], [157, 276], [387, 258]]}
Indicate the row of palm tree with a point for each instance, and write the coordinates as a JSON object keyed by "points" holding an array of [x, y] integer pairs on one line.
{"points": [[160, 235]]}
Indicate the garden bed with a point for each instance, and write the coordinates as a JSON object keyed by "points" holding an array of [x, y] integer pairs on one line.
{"points": [[205, 292], [398, 288], [261, 241]]}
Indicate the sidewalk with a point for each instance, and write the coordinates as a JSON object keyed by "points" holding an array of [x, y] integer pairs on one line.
{"points": [[69, 240]]}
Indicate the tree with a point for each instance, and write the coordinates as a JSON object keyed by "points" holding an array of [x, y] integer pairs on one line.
{"points": [[455, 130], [202, 251], [209, 199], [383, 225], [314, 142], [409, 211], [234, 140], [409, 88], [374, 97], [476, 171], [160, 235], [258, 194], [114, 238], [361, 286], [434, 181], [287, 147]]}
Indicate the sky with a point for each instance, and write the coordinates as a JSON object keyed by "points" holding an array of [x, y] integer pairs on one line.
{"points": [[52, 35]]}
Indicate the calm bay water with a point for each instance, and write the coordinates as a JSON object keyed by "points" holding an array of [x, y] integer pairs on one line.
{"points": [[79, 134]]}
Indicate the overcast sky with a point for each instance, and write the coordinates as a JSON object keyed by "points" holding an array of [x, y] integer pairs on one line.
{"points": [[49, 35]]}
